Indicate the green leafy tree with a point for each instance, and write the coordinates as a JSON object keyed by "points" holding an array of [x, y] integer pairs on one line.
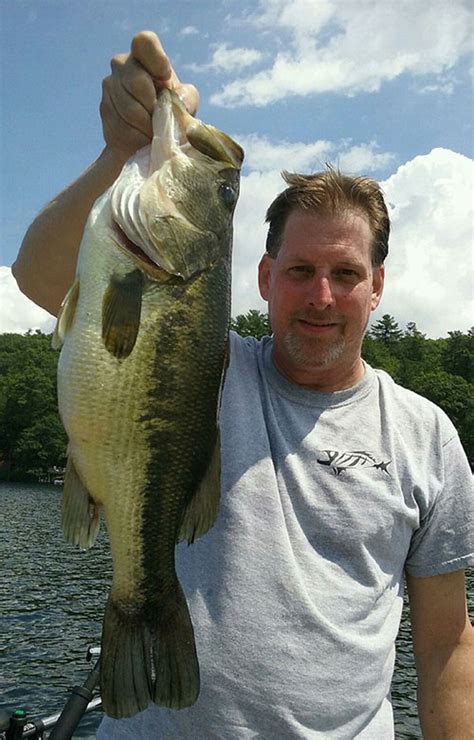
{"points": [[252, 324], [455, 396], [378, 355], [458, 354], [439, 369], [32, 439], [411, 350], [386, 330], [413, 331]]}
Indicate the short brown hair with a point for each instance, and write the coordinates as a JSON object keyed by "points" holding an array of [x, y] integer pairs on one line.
{"points": [[330, 193]]}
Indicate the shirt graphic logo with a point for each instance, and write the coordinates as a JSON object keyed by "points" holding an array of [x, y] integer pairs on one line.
{"points": [[341, 461]]}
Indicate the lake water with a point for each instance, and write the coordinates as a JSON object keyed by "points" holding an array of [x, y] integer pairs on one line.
{"points": [[52, 600]]}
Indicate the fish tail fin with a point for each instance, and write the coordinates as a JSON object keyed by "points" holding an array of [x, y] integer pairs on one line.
{"points": [[174, 654], [126, 684]]}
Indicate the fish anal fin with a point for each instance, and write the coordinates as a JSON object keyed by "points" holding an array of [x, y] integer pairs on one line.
{"points": [[203, 508], [65, 316], [121, 310], [80, 514]]}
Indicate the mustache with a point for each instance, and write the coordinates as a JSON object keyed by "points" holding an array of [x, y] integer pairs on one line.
{"points": [[319, 317]]}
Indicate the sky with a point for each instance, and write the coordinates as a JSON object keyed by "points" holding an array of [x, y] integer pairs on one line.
{"points": [[377, 87]]}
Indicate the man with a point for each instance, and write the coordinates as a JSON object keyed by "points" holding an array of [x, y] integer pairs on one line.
{"points": [[334, 480]]}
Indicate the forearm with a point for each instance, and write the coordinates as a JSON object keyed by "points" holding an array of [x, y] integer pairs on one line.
{"points": [[46, 263], [446, 692]]}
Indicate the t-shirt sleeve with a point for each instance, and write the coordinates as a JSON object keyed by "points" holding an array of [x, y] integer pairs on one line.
{"points": [[444, 541]]}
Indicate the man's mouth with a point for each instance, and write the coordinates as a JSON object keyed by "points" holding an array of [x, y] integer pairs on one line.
{"points": [[318, 327]]}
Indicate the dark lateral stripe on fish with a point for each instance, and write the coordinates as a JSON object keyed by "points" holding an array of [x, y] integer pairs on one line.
{"points": [[181, 426], [183, 436]]}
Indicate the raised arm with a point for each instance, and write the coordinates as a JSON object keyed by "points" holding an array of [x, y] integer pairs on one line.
{"points": [[45, 265]]}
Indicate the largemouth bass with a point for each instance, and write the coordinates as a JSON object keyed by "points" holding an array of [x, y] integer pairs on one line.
{"points": [[144, 333]]}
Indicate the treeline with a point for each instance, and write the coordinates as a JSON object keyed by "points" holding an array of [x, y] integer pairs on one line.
{"points": [[32, 439]]}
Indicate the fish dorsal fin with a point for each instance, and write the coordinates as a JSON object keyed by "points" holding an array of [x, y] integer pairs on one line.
{"points": [[203, 508], [121, 310], [80, 514], [66, 316]]}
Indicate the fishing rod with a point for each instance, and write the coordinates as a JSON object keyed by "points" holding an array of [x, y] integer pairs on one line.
{"points": [[16, 725]]}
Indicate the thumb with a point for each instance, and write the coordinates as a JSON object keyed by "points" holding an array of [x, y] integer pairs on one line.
{"points": [[189, 95]]}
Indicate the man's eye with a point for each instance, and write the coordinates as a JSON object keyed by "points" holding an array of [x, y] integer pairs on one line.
{"points": [[300, 269], [346, 272]]}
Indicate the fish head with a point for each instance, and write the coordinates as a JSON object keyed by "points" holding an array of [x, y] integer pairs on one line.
{"points": [[174, 201]]}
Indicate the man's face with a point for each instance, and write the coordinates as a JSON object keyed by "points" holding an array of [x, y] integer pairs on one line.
{"points": [[320, 289]]}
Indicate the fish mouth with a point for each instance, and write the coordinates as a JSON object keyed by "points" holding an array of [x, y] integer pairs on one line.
{"points": [[176, 134]]}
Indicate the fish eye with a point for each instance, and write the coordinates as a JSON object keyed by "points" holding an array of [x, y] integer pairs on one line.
{"points": [[228, 194]]}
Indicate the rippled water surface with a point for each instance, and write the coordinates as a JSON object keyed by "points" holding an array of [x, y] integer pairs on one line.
{"points": [[52, 601]]}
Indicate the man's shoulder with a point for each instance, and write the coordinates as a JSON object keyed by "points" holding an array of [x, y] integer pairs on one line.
{"points": [[245, 358], [246, 347], [411, 405]]}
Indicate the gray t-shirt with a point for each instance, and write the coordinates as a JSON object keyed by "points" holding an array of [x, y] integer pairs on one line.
{"points": [[296, 592]]}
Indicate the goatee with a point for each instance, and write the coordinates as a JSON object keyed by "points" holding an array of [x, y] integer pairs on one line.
{"points": [[316, 353]]}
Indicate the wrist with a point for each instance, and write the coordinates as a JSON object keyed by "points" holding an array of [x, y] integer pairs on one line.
{"points": [[111, 161]]}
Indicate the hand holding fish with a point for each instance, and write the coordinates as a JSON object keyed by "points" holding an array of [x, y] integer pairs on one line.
{"points": [[129, 94]]}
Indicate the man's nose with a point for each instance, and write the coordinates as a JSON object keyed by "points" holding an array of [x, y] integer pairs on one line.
{"points": [[320, 293]]}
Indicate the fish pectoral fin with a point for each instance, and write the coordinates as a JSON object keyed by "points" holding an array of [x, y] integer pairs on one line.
{"points": [[65, 316], [203, 508], [121, 311], [80, 514]]}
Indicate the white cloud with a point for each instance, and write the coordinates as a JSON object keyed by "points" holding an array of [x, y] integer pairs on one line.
{"points": [[256, 193], [228, 59], [265, 155], [443, 86], [430, 266], [18, 313], [351, 47], [364, 158], [188, 31]]}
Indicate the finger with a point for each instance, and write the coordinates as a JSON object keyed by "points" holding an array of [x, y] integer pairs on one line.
{"points": [[129, 74], [146, 48], [128, 108], [124, 109], [190, 97]]}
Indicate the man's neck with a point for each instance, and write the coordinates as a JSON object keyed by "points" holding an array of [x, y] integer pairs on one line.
{"points": [[326, 379]]}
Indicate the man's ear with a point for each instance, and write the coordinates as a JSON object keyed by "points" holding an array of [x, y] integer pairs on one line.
{"points": [[264, 270], [378, 279]]}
